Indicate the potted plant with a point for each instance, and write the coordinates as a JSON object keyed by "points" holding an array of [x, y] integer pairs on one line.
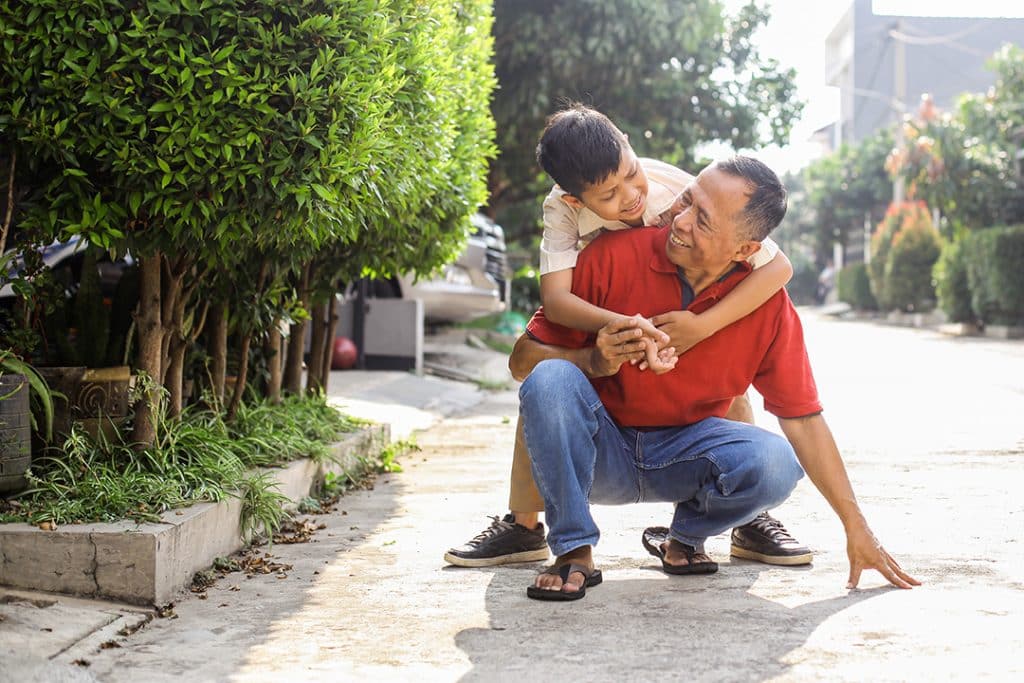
{"points": [[19, 380], [86, 342]]}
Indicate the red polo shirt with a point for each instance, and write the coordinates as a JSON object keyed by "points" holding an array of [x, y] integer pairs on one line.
{"points": [[629, 272]]}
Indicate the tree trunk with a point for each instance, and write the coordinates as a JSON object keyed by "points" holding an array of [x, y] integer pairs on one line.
{"points": [[243, 361], [243, 370], [217, 346], [273, 347], [292, 379], [174, 379], [171, 295], [332, 330], [314, 373], [175, 370], [147, 319]]}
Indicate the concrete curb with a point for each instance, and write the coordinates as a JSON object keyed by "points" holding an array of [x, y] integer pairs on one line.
{"points": [[147, 564]]}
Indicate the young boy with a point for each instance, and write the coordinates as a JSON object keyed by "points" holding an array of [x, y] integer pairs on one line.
{"points": [[602, 185]]}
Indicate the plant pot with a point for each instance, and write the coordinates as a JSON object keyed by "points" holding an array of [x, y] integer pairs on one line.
{"points": [[96, 397], [15, 433]]}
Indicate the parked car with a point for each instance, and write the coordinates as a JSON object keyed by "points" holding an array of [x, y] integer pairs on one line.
{"points": [[474, 285]]}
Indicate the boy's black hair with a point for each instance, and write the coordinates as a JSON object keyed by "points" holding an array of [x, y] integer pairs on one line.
{"points": [[766, 203], [579, 147]]}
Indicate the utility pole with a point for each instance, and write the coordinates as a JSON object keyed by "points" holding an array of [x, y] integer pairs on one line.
{"points": [[899, 79]]}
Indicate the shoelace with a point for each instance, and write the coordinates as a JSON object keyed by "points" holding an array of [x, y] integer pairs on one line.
{"points": [[497, 525], [771, 527]]}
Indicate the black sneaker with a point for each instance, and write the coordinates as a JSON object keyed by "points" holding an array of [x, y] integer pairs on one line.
{"points": [[503, 542], [765, 540]]}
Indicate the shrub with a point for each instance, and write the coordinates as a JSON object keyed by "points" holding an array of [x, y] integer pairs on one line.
{"points": [[803, 288], [908, 270], [854, 287], [911, 281], [994, 274], [951, 287]]}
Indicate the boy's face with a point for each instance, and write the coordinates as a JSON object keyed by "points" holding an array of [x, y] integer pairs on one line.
{"points": [[622, 196]]}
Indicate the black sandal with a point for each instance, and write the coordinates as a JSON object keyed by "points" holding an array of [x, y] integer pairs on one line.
{"points": [[591, 578], [655, 536]]}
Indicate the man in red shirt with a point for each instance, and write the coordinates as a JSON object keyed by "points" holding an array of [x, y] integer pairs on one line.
{"points": [[601, 430]]}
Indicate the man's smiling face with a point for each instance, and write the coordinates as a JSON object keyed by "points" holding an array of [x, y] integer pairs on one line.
{"points": [[708, 233]]}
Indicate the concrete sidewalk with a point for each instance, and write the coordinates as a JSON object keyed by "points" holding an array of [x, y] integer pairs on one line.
{"points": [[42, 635], [931, 432]]}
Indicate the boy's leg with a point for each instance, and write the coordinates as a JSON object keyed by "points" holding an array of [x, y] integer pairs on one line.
{"points": [[524, 500], [516, 537], [764, 539]]}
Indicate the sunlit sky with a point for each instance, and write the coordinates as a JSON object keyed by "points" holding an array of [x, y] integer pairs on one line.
{"points": [[795, 35]]}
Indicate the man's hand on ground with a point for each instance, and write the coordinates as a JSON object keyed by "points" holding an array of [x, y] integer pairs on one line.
{"points": [[865, 552]]}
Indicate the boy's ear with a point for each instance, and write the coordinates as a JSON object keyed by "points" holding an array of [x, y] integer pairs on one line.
{"points": [[572, 201]]}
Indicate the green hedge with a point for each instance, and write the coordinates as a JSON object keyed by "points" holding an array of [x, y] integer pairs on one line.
{"points": [[908, 270], [995, 275], [904, 249], [854, 287], [951, 286]]}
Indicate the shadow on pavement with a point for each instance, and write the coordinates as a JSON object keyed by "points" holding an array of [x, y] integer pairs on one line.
{"points": [[704, 628]]}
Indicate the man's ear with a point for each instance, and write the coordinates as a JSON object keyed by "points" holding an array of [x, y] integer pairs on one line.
{"points": [[572, 201], [746, 249]]}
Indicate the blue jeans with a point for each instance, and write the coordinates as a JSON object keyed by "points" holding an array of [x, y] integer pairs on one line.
{"points": [[719, 473]]}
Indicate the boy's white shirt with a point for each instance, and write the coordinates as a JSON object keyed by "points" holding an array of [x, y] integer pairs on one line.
{"points": [[568, 229]]}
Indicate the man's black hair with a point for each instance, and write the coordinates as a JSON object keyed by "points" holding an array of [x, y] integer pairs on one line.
{"points": [[579, 147], [766, 203]]}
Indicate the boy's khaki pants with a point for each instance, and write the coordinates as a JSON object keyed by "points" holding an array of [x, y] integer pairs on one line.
{"points": [[523, 494]]}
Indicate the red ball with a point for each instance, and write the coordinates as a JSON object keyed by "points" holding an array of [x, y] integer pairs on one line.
{"points": [[343, 354]]}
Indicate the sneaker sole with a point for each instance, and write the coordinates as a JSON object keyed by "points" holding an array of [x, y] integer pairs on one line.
{"points": [[511, 558], [781, 560]]}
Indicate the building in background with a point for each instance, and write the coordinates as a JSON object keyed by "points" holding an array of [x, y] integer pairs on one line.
{"points": [[883, 63]]}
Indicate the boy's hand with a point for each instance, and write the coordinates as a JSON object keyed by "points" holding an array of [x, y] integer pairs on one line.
{"points": [[658, 360], [684, 329], [651, 330]]}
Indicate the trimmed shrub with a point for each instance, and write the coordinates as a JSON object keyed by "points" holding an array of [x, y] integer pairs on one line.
{"points": [[908, 271], [803, 287], [908, 285], [854, 287], [995, 276], [951, 286]]}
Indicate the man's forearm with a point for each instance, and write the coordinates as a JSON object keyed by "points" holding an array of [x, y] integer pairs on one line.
{"points": [[819, 456], [528, 352]]}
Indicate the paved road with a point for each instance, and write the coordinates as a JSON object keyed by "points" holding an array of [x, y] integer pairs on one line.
{"points": [[933, 433]]}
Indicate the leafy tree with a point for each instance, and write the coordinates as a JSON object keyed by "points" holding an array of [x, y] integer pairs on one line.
{"points": [[964, 163], [670, 74], [836, 193], [200, 135]]}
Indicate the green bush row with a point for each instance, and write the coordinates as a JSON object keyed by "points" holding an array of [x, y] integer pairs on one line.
{"points": [[980, 278], [904, 250], [854, 287]]}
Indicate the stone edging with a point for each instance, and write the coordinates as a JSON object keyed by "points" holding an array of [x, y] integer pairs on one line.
{"points": [[147, 564]]}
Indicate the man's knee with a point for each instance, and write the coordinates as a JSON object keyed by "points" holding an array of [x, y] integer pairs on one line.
{"points": [[779, 469], [549, 381]]}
